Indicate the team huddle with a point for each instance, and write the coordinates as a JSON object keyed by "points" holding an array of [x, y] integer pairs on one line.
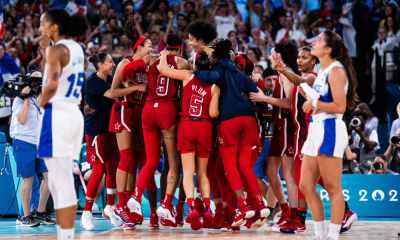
{"points": [[207, 114]]}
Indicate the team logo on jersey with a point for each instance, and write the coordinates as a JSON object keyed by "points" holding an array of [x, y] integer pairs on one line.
{"points": [[221, 141], [117, 126], [141, 78], [93, 158]]}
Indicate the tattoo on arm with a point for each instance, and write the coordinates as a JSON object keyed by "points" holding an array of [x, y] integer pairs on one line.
{"points": [[56, 76], [170, 180], [169, 138]]}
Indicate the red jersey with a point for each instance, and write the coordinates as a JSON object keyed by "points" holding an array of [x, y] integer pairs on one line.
{"points": [[196, 98], [259, 118], [160, 86], [279, 92], [297, 105], [139, 76]]}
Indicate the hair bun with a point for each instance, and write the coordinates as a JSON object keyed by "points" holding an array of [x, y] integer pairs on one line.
{"points": [[93, 58], [203, 54]]}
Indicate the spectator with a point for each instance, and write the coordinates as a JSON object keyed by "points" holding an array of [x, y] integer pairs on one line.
{"points": [[366, 139], [7, 36], [241, 32], [256, 11], [21, 30], [396, 123], [351, 158], [188, 7], [382, 44], [255, 56], [393, 152], [393, 30], [232, 9], [180, 25], [192, 16], [224, 22], [372, 121], [258, 69], [379, 166], [289, 33], [270, 76], [176, 8], [14, 54]]}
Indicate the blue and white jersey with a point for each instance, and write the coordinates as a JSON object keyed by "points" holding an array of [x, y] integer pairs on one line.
{"points": [[321, 83], [72, 75]]}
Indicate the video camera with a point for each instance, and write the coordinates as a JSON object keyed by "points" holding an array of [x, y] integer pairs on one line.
{"points": [[13, 88]]}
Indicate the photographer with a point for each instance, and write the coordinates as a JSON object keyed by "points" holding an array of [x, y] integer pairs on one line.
{"points": [[393, 152], [24, 131], [366, 139], [379, 166]]}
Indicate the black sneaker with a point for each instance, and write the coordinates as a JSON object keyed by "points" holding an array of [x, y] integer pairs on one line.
{"points": [[29, 221], [44, 218], [19, 219]]}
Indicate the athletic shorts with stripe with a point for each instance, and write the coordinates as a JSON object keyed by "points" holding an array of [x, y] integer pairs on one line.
{"points": [[101, 148], [282, 138], [126, 116]]}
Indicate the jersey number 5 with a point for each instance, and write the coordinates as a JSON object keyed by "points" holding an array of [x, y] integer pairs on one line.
{"points": [[162, 85], [195, 106], [77, 86]]}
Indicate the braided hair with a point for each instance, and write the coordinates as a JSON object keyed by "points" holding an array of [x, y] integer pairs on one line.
{"points": [[130, 30]]}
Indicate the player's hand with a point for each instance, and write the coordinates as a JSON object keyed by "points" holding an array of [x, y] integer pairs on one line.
{"points": [[44, 43], [142, 87], [26, 90], [307, 106], [88, 110], [255, 77], [245, 97], [258, 96], [171, 15], [278, 62], [164, 53]]}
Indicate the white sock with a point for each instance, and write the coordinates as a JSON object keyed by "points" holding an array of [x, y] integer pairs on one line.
{"points": [[334, 230], [66, 234], [320, 229], [58, 231]]}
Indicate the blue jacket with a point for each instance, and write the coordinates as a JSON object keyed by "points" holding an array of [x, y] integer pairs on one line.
{"points": [[232, 84]]}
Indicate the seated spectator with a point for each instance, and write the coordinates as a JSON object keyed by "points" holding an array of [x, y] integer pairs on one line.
{"points": [[396, 123], [255, 55], [379, 166], [366, 139], [289, 33], [393, 152], [351, 158]]}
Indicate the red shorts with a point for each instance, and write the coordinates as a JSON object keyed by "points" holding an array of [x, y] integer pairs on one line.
{"points": [[159, 115], [126, 117], [300, 137], [239, 131], [195, 136], [102, 147], [282, 138]]}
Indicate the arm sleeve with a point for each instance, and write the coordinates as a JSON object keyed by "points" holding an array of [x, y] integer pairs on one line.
{"points": [[97, 87], [130, 67], [261, 84], [208, 77]]}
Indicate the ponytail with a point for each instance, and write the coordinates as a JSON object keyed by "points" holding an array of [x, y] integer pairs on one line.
{"points": [[98, 58], [341, 53], [71, 26], [131, 32]]}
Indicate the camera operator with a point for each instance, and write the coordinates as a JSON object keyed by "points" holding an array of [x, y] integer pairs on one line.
{"points": [[379, 166], [24, 131], [366, 139], [393, 152]]}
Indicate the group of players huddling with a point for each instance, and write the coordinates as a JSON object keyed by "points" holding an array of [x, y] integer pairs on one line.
{"points": [[203, 112]]}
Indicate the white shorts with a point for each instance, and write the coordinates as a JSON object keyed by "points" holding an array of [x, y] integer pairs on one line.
{"points": [[60, 130], [326, 136]]}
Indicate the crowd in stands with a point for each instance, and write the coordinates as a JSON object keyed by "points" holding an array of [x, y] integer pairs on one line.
{"points": [[368, 27]]}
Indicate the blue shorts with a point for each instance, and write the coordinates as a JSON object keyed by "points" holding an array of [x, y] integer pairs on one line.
{"points": [[25, 155], [261, 164]]}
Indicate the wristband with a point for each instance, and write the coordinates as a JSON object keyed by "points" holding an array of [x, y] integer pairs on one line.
{"points": [[314, 103]]}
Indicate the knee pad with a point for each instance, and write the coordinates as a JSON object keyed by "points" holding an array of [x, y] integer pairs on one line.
{"points": [[151, 187], [61, 182], [126, 161]]}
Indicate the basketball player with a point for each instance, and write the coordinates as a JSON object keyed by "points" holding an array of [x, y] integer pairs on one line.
{"points": [[101, 148], [237, 131], [126, 123], [281, 148], [301, 120], [336, 83], [61, 124], [160, 116], [199, 105]]}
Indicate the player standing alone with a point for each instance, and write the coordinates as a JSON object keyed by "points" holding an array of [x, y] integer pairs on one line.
{"points": [[61, 125]]}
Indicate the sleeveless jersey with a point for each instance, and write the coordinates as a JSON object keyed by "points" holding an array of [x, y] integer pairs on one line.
{"points": [[279, 93], [139, 76], [196, 98], [321, 83], [160, 86], [297, 104], [71, 79]]}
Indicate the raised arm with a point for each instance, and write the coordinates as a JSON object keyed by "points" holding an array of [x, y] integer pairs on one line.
{"points": [[213, 109], [171, 19], [137, 24], [250, 5], [182, 75]]}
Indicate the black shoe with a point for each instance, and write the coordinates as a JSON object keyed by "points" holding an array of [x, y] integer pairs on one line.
{"points": [[44, 218], [29, 221]]}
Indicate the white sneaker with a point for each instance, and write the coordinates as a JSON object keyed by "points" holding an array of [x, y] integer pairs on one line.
{"points": [[95, 207], [87, 221], [166, 217], [108, 213], [136, 209]]}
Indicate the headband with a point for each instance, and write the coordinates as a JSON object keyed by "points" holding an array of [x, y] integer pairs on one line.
{"points": [[196, 56], [139, 41], [241, 59], [180, 46]]}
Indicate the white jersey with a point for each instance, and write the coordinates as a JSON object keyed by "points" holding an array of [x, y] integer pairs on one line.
{"points": [[72, 75]]}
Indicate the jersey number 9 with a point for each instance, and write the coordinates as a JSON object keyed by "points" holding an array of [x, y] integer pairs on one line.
{"points": [[162, 85]]}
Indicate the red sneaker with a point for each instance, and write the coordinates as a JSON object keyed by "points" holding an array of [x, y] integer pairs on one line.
{"points": [[258, 221], [294, 227], [198, 205], [195, 222], [241, 215], [179, 216], [123, 215], [153, 221], [228, 225], [348, 220], [283, 220], [221, 221], [249, 222], [207, 218], [218, 213]]}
